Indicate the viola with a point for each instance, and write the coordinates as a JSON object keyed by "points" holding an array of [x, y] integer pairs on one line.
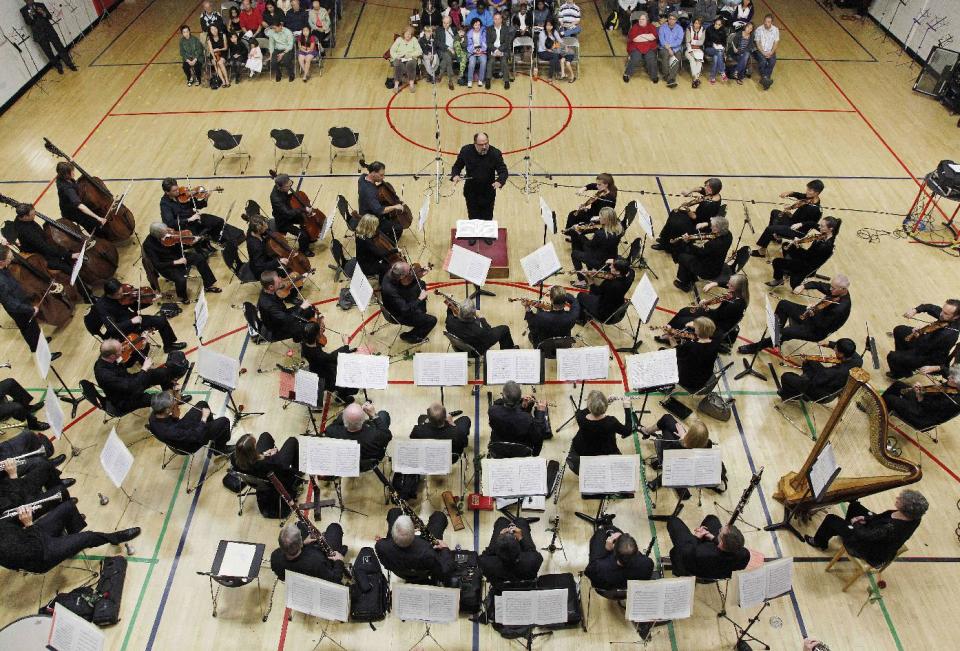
{"points": [[293, 280], [927, 329], [321, 334], [816, 309], [931, 389], [313, 218], [134, 342], [140, 296], [186, 194], [813, 237], [589, 227], [531, 303], [798, 360], [698, 237], [716, 300], [183, 237], [673, 333], [55, 306], [296, 261], [449, 301]]}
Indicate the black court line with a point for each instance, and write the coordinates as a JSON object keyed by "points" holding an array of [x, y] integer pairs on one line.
{"points": [[122, 32], [596, 5], [873, 59], [354, 32]]}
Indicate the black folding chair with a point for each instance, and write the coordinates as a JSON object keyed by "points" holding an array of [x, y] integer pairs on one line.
{"points": [[227, 145], [291, 144], [342, 140], [258, 332]]}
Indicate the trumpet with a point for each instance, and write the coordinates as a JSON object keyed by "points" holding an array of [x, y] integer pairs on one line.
{"points": [[32, 507], [20, 459]]}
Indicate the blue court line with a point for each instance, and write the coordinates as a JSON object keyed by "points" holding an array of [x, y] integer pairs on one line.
{"points": [[848, 32], [476, 475], [363, 6], [122, 32], [186, 527]]}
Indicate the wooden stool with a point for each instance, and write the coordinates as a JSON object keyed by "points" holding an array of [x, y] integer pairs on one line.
{"points": [[863, 568]]}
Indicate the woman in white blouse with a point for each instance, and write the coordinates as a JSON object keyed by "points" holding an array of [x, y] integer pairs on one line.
{"points": [[696, 35]]}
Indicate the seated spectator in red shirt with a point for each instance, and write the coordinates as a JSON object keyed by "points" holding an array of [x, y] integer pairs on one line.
{"points": [[251, 17], [642, 46]]}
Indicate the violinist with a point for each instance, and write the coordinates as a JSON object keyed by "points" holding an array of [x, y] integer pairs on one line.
{"points": [[33, 240], [122, 320], [593, 252], [324, 364], [514, 418], [925, 405], [810, 322], [605, 298], [192, 430], [180, 214], [17, 305], [467, 325], [371, 257], [798, 262], [927, 345], [704, 261], [729, 310], [172, 261], [486, 173], [128, 391], [71, 202], [282, 322], [406, 301], [260, 257], [603, 194], [555, 322], [368, 202], [801, 217], [288, 218], [691, 216], [821, 379], [696, 358]]}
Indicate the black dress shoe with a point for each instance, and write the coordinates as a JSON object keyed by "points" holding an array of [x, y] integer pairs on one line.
{"points": [[35, 407], [68, 482], [307, 252], [506, 85], [72, 67], [55, 356], [57, 460], [177, 345], [38, 426], [122, 536], [488, 241], [472, 241], [212, 289], [49, 339], [186, 398], [813, 543], [657, 246], [748, 349]]}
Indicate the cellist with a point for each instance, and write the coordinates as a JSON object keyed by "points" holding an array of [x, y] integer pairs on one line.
{"points": [[33, 240], [260, 257], [15, 302], [172, 262], [287, 217], [186, 215], [368, 201], [71, 203]]}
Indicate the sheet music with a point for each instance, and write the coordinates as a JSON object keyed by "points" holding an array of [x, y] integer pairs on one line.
{"points": [[532, 479], [515, 477], [42, 355], [70, 632], [678, 597], [476, 228], [426, 603], [611, 473], [200, 314], [752, 587], [644, 219], [329, 457], [772, 328], [237, 558], [75, 272], [306, 386], [686, 468], [468, 265], [653, 369], [823, 471], [422, 456], [645, 299], [327, 223], [588, 363], [546, 214], [54, 412], [360, 288], [440, 369], [530, 503], [660, 600], [540, 607], [424, 212], [316, 597], [540, 264], [362, 371], [116, 459], [779, 577], [520, 365], [218, 369]]}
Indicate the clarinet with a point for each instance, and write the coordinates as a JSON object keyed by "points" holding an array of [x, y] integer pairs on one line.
{"points": [[407, 511], [558, 481], [650, 547], [32, 506], [311, 527], [745, 497]]}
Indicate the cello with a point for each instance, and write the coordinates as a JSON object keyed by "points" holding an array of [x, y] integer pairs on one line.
{"points": [[50, 297], [313, 218], [387, 196], [393, 255], [95, 195], [296, 261]]}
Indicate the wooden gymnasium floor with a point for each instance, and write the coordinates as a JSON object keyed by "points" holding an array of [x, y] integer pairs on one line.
{"points": [[841, 110]]}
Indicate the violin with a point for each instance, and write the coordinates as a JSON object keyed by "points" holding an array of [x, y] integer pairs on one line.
{"points": [[313, 218], [296, 261], [927, 329], [692, 202], [800, 203], [716, 300], [594, 274], [531, 303], [816, 309], [599, 194], [183, 237], [813, 237], [686, 237], [589, 227], [673, 333], [799, 359], [95, 195], [450, 302], [134, 342], [321, 334], [178, 393], [186, 194], [54, 299], [292, 280], [139, 296], [931, 389]]}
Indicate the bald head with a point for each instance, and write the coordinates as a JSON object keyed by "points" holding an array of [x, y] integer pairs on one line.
{"points": [[109, 348], [353, 417], [437, 414]]}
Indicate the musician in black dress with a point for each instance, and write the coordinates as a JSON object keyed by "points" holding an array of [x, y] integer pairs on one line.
{"points": [[726, 315], [703, 258], [711, 551], [485, 174], [810, 322], [297, 553], [288, 218], [601, 194], [511, 554], [615, 559], [874, 537], [406, 300], [472, 329], [71, 201], [32, 239], [365, 425], [324, 363], [121, 320], [515, 419], [692, 216], [555, 322], [38, 18], [174, 262], [607, 296], [923, 406], [796, 221], [186, 215], [371, 257], [820, 379], [594, 252], [597, 431], [127, 391], [259, 457], [368, 200], [259, 256], [696, 358], [674, 435], [799, 263], [410, 556], [280, 320], [439, 425], [924, 345], [192, 430]]}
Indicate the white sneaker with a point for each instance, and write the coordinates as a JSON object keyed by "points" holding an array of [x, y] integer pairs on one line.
{"points": [[469, 84]]}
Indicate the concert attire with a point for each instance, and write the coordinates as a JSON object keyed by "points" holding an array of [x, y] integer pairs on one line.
{"points": [[312, 561], [32, 240], [38, 18], [702, 262], [799, 263], [373, 437], [935, 408], [479, 334], [593, 210], [597, 437], [15, 402], [703, 559], [420, 556], [458, 434], [595, 251], [175, 215], [37, 478], [514, 424], [815, 327], [482, 171], [115, 316], [695, 363], [282, 322], [324, 364], [189, 433], [818, 380], [288, 219], [669, 440], [679, 223], [603, 570], [68, 194], [25, 441], [926, 350], [369, 204], [548, 324], [876, 541], [259, 256], [15, 302], [404, 305], [284, 463], [371, 258], [127, 391], [523, 567], [725, 316], [779, 227], [162, 258]]}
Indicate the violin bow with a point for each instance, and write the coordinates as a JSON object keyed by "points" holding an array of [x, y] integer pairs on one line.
{"points": [[123, 338], [48, 290]]}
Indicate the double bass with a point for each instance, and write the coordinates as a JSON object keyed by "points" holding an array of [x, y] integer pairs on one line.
{"points": [[313, 218], [278, 245], [95, 195], [387, 196], [54, 302]]}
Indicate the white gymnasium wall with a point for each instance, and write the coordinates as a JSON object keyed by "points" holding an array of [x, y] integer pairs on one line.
{"points": [[901, 24]]}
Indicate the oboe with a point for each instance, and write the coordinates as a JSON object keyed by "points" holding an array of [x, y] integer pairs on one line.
{"points": [[20, 459], [32, 506], [745, 497], [650, 547], [407, 511]]}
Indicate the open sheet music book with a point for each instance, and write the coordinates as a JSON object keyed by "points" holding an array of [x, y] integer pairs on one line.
{"points": [[520, 365], [660, 600], [316, 597], [587, 363], [692, 468], [329, 457], [422, 456], [645, 299], [477, 228], [358, 371], [467, 264], [654, 369], [541, 264], [425, 603], [70, 632], [515, 477], [217, 369], [609, 473], [440, 369], [306, 386], [823, 471], [524, 607], [773, 579], [237, 558]]}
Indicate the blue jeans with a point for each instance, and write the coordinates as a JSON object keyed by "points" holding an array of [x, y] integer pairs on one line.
{"points": [[482, 58], [766, 65], [719, 65], [572, 31], [743, 61]]}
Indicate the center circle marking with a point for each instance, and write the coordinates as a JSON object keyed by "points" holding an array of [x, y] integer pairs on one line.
{"points": [[449, 110]]}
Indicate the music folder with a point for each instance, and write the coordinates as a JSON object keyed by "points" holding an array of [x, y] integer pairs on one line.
{"points": [[660, 600]]}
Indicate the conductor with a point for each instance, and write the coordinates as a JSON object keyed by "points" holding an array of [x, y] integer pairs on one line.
{"points": [[486, 173]]}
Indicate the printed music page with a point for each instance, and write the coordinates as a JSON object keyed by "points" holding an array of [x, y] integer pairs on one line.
{"points": [[360, 289], [546, 214], [422, 457], [444, 605], [54, 412], [70, 632], [327, 223], [823, 471], [500, 477], [532, 476], [42, 355], [468, 265], [426, 603], [236, 560], [752, 586], [306, 385], [772, 330], [358, 371], [440, 369], [644, 219], [645, 299], [75, 272], [329, 457], [551, 606], [424, 212], [516, 607], [612, 473], [645, 600], [677, 597], [521, 366], [708, 467], [316, 597], [679, 468], [779, 577], [540, 264], [438, 456], [476, 228], [116, 459], [654, 369], [201, 313], [623, 473], [218, 369], [589, 363]]}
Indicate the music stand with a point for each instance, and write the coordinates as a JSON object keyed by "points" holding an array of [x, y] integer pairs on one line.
{"points": [[686, 486], [748, 367], [221, 373], [18, 44], [289, 395], [231, 579]]}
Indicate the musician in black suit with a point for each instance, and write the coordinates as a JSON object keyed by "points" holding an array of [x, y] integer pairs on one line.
{"points": [[324, 364], [710, 551], [280, 320], [691, 216], [174, 262], [597, 431], [439, 425], [38, 18], [514, 419], [696, 358], [615, 559], [16, 402], [37, 478], [192, 430], [408, 555], [486, 173], [511, 554], [298, 553], [26, 441], [371, 256], [259, 457], [555, 322], [675, 435], [406, 300], [791, 224], [32, 239], [474, 330], [187, 216], [817, 379], [704, 261], [874, 537], [800, 263], [365, 425], [17, 305], [122, 320], [127, 391], [810, 322], [923, 410], [608, 296], [259, 256], [288, 218], [914, 349], [368, 201]]}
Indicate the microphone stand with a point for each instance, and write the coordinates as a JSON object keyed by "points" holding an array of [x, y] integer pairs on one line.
{"points": [[437, 161], [528, 162], [19, 39]]}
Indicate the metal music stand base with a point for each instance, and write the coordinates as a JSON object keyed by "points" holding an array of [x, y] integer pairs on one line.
{"points": [[69, 399], [743, 632], [326, 636], [238, 413], [748, 367], [426, 635], [739, 517], [645, 631], [788, 515], [340, 505], [577, 405], [527, 643], [676, 509]]}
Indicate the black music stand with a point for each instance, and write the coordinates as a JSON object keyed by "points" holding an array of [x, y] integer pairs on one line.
{"points": [[291, 397], [748, 366], [744, 637], [232, 581]]}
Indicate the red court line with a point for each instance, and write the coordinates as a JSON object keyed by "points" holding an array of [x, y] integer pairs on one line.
{"points": [[928, 453]]}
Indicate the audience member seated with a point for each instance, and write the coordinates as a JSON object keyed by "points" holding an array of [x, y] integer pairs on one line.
{"points": [[472, 329], [556, 322], [715, 47], [642, 44], [281, 48], [726, 316], [702, 256], [411, 557], [308, 49], [670, 36], [767, 37], [449, 48], [320, 23], [476, 47], [515, 419], [431, 14], [568, 17], [511, 554], [191, 56], [368, 427], [298, 552], [522, 21], [800, 263], [710, 551], [210, 17], [550, 48], [457, 14], [499, 49], [296, 18], [597, 431], [127, 391], [604, 299], [217, 50], [707, 10], [193, 430], [926, 405], [696, 36], [272, 15], [483, 13], [439, 425], [740, 48], [615, 559], [405, 54], [431, 48], [238, 52], [674, 435], [742, 14], [251, 17]]}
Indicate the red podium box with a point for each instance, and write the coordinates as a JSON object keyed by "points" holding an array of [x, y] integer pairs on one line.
{"points": [[497, 252]]}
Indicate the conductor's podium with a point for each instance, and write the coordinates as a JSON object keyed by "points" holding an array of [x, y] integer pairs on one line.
{"points": [[497, 252]]}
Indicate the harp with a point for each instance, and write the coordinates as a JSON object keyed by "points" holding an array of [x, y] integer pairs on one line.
{"points": [[857, 431]]}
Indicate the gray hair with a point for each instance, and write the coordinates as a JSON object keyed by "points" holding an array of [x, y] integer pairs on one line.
{"points": [[437, 414], [841, 280], [402, 532], [511, 393], [732, 539], [162, 402], [596, 403], [954, 374], [913, 504], [290, 540], [468, 310], [158, 229], [353, 417], [721, 224]]}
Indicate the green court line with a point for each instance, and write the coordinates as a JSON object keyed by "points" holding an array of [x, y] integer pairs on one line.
{"points": [[810, 424], [100, 557]]}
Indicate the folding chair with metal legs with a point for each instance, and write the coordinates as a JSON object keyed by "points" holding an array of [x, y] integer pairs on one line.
{"points": [[208, 451], [802, 403]]}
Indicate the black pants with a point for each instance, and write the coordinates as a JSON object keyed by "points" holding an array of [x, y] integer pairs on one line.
{"points": [[575, 217], [217, 430], [294, 226], [163, 377], [36, 478], [480, 198], [48, 41], [288, 455], [193, 72], [793, 385], [14, 402], [286, 61], [419, 321], [179, 274], [436, 524], [678, 223], [30, 331], [63, 537], [788, 312], [333, 535], [495, 335], [161, 325], [681, 536], [779, 227], [797, 270], [689, 268], [235, 67], [834, 525], [25, 441], [903, 362]]}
